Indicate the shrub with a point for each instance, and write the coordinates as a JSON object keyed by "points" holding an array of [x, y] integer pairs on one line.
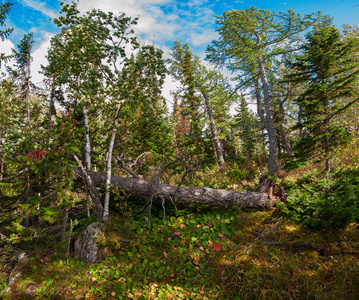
{"points": [[329, 203]]}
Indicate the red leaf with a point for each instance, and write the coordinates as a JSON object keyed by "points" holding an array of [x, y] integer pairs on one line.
{"points": [[178, 233], [217, 246]]}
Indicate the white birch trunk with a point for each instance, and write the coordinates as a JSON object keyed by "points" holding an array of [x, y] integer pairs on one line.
{"points": [[106, 205], [88, 143]]}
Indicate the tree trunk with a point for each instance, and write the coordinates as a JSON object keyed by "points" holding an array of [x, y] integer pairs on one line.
{"points": [[285, 140], [273, 157], [84, 175], [64, 223], [2, 160], [216, 142], [88, 143], [184, 195], [106, 204], [257, 94]]}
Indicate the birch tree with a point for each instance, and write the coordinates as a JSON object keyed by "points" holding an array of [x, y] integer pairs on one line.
{"points": [[86, 58]]}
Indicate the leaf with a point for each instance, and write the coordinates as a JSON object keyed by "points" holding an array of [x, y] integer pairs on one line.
{"points": [[177, 233], [217, 246]]}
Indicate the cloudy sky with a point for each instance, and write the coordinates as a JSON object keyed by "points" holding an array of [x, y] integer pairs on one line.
{"points": [[161, 22]]}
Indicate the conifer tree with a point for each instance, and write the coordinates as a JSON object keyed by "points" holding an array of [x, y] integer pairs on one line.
{"points": [[22, 72], [246, 123], [207, 96], [4, 11], [249, 41], [329, 68]]}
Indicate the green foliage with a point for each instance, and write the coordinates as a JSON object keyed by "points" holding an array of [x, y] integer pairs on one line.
{"points": [[4, 11], [201, 254], [206, 96], [328, 203], [248, 130], [329, 68]]}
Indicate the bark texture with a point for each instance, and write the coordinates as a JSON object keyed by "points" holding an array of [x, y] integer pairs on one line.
{"points": [[185, 195], [212, 122]]}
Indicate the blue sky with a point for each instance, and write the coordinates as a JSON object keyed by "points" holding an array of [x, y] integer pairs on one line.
{"points": [[164, 21], [161, 22]]}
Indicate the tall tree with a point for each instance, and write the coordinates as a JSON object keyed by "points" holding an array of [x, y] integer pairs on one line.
{"points": [[144, 123], [249, 40], [87, 57], [4, 11], [209, 89], [21, 74], [92, 58], [330, 68]]}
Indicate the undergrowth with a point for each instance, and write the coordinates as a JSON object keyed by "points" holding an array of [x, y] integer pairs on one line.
{"points": [[306, 250], [319, 202], [201, 254]]}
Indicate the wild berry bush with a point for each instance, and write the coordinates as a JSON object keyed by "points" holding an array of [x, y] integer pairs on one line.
{"points": [[330, 203]]}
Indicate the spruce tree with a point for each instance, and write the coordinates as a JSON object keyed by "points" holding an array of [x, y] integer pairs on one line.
{"points": [[329, 68]]}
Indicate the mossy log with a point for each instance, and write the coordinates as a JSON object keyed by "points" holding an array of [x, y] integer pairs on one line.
{"points": [[184, 195]]}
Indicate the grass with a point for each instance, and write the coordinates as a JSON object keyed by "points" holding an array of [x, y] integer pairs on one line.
{"points": [[201, 254]]}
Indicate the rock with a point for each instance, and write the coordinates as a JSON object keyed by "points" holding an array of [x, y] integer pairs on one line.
{"points": [[86, 247], [16, 273]]}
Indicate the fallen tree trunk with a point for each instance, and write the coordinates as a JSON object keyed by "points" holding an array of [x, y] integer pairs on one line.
{"points": [[184, 195]]}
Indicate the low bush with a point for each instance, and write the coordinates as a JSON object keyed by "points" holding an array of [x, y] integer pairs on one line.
{"points": [[325, 203]]}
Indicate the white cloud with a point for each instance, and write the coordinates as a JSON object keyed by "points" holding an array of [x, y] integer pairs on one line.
{"points": [[39, 6], [39, 58], [162, 21], [6, 47]]}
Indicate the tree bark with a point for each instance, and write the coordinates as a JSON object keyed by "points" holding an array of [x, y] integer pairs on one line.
{"points": [[84, 174], [272, 139], [88, 142], [184, 195], [285, 140], [216, 141], [106, 205]]}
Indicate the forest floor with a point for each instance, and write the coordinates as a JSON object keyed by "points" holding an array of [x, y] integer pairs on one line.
{"points": [[203, 253]]}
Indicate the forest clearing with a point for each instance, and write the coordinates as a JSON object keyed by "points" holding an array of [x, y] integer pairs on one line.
{"points": [[109, 192]]}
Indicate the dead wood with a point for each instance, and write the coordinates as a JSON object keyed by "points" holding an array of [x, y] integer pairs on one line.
{"points": [[184, 195], [273, 188]]}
